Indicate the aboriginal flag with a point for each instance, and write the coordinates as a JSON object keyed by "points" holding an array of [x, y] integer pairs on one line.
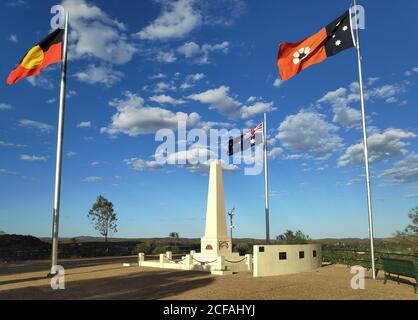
{"points": [[46, 52], [334, 38]]}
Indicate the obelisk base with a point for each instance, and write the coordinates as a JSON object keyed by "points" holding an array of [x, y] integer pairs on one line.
{"points": [[218, 247]]}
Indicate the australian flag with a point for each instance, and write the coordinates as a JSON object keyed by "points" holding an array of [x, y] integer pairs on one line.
{"points": [[245, 141]]}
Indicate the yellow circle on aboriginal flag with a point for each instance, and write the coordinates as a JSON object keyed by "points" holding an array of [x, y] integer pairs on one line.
{"points": [[34, 58]]}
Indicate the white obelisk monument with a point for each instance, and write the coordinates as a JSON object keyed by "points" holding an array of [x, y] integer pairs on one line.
{"points": [[216, 254], [216, 240]]}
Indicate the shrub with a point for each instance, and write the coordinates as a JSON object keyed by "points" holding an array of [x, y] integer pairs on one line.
{"points": [[243, 248], [290, 237], [142, 248], [160, 249]]}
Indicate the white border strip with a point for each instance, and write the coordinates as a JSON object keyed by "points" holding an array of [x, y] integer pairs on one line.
{"points": [[351, 27]]}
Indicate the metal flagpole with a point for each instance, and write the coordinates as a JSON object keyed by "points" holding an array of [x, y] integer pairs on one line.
{"points": [[57, 194], [365, 146], [266, 180]]}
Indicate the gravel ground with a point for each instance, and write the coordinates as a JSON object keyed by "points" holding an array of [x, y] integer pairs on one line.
{"points": [[113, 281]]}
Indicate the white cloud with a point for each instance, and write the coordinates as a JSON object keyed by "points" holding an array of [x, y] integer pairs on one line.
{"points": [[389, 93], [189, 49], [342, 98], [257, 108], [94, 34], [6, 144], [277, 83], [202, 53], [25, 157], [309, 132], [347, 116], [222, 12], [141, 165], [13, 38], [163, 87], [71, 154], [206, 49], [220, 100], [295, 157], [95, 163], [410, 72], [381, 146], [353, 182], [5, 106], [404, 171], [197, 160], [84, 124], [43, 127], [177, 19], [337, 97], [5, 171], [103, 74], [275, 153], [195, 77], [10, 144], [71, 93], [164, 99], [134, 118], [93, 179], [186, 85], [372, 80], [158, 76], [17, 3], [410, 196], [41, 81], [166, 57], [191, 80]]}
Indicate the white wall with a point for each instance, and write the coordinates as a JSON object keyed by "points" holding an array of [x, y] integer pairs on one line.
{"points": [[267, 263]]}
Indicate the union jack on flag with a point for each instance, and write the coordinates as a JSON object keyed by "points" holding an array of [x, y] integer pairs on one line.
{"points": [[245, 141]]}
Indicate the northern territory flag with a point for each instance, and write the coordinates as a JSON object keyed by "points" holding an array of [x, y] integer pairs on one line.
{"points": [[46, 52], [334, 38], [246, 141]]}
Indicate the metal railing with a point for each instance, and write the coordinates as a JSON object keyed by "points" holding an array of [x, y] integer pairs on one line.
{"points": [[361, 257]]}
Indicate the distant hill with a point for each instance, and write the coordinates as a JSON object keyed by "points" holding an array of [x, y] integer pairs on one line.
{"points": [[19, 242], [2, 233]]}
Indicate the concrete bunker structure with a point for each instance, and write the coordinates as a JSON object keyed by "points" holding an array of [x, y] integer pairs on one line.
{"points": [[274, 260]]}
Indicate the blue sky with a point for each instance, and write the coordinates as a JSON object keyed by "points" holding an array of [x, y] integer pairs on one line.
{"points": [[137, 66]]}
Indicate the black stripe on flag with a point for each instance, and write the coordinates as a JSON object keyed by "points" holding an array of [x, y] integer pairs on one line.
{"points": [[245, 141]]}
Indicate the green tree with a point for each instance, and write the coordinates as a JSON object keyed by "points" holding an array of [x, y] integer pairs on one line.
{"points": [[103, 217], [175, 236], [413, 228], [291, 237], [145, 248], [243, 248]]}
